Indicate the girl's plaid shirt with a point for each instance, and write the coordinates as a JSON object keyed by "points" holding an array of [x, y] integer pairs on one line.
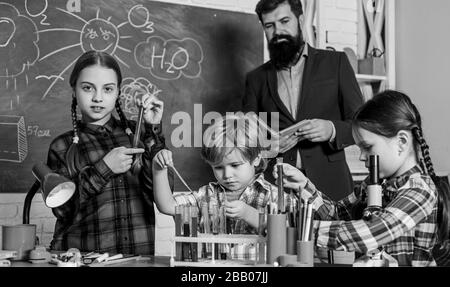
{"points": [[406, 227]]}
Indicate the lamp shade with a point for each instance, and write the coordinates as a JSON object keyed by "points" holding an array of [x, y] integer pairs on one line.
{"points": [[56, 189]]}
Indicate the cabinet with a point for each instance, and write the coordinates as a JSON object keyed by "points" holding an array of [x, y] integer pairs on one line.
{"points": [[361, 25]]}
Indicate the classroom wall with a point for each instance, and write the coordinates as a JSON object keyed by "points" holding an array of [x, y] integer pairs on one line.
{"points": [[423, 69], [338, 22], [11, 205]]}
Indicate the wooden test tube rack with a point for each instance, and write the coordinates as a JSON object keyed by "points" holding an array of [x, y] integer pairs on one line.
{"points": [[258, 240]]}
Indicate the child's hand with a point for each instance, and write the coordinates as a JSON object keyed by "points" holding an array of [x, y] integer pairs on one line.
{"points": [[237, 209], [153, 109], [119, 159], [292, 177], [162, 160]]}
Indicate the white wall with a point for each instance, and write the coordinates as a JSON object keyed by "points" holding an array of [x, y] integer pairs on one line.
{"points": [[247, 6], [423, 69]]}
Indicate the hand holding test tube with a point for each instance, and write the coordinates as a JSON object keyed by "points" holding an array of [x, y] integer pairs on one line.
{"points": [[163, 159], [138, 93], [150, 110]]}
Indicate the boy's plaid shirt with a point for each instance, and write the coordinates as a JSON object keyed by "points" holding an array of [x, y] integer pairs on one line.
{"points": [[257, 195], [405, 228]]}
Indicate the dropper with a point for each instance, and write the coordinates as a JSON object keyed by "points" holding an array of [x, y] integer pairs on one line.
{"points": [[281, 208], [180, 177]]}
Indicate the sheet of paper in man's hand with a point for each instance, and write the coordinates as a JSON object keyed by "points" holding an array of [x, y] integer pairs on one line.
{"points": [[292, 129]]}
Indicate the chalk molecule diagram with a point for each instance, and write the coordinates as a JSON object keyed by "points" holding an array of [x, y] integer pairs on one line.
{"points": [[128, 99], [170, 59]]}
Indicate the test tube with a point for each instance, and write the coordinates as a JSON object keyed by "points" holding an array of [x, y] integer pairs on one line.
{"points": [[194, 231], [222, 220], [300, 219], [206, 219], [262, 213], [178, 221], [215, 221], [206, 229], [138, 92], [215, 230], [186, 233], [222, 230], [229, 225]]}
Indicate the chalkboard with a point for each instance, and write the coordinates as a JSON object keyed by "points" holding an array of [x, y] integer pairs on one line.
{"points": [[195, 59]]}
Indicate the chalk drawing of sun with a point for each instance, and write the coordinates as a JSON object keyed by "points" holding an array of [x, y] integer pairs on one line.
{"points": [[100, 35], [96, 34]]}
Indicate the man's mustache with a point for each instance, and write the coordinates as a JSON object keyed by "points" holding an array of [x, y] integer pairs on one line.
{"points": [[277, 38]]}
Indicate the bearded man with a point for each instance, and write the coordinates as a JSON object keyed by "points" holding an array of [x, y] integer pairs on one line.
{"points": [[303, 83]]}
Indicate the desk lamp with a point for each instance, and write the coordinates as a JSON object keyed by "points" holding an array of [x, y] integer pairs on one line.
{"points": [[56, 189]]}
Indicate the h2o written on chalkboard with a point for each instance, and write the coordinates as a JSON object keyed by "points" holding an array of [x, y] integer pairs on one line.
{"points": [[188, 56]]}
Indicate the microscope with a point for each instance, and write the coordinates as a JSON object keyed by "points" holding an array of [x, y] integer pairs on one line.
{"points": [[374, 190], [376, 257]]}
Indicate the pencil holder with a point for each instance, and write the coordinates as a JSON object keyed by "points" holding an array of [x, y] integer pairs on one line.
{"points": [[305, 253], [276, 237], [287, 259], [20, 238], [291, 240]]}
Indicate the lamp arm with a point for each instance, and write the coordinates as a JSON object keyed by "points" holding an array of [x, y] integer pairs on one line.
{"points": [[28, 200]]}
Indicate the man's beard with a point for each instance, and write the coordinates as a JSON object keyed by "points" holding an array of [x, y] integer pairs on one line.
{"points": [[284, 53]]}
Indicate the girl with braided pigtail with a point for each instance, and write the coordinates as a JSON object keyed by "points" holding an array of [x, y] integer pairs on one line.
{"points": [[112, 209], [413, 225]]}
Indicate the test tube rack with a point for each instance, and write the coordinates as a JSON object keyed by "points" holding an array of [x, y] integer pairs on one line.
{"points": [[258, 240]]}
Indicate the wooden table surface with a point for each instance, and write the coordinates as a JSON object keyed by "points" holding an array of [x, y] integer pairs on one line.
{"points": [[144, 261]]}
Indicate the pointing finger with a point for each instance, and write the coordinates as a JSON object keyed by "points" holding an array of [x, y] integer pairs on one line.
{"points": [[133, 150]]}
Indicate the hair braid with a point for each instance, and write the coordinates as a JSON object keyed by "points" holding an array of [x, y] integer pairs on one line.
{"points": [[72, 158], [74, 120], [442, 187], [417, 131]]}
